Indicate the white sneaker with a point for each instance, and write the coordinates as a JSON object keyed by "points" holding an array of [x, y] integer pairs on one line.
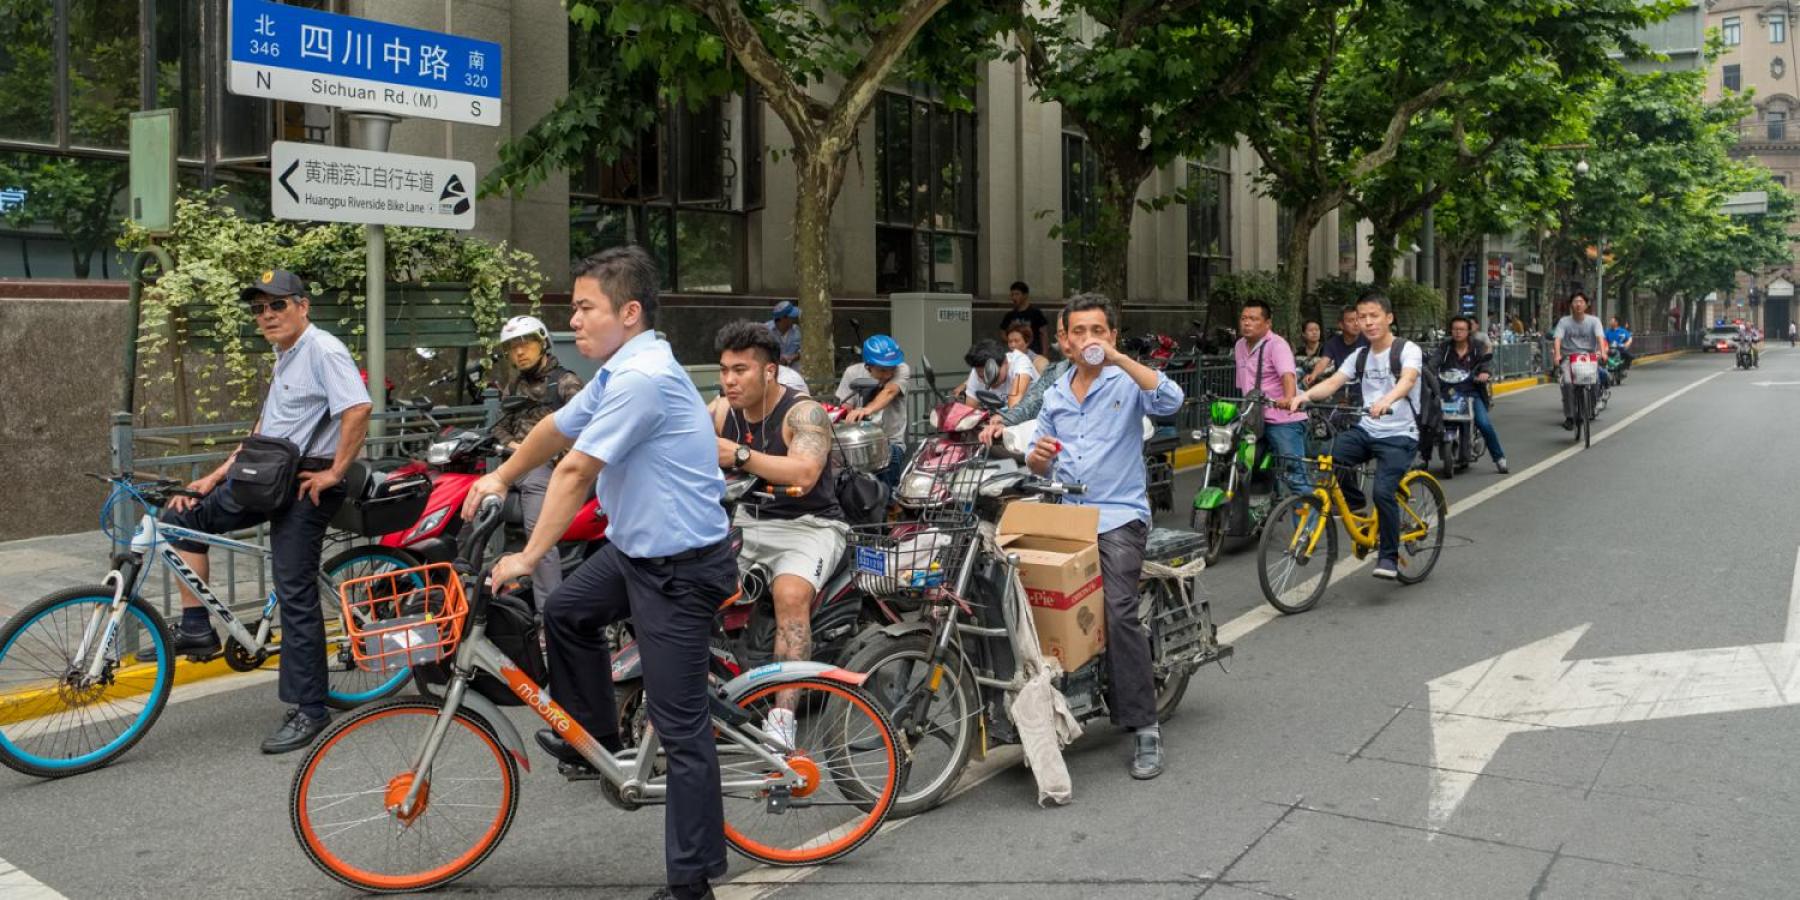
{"points": [[782, 726]]}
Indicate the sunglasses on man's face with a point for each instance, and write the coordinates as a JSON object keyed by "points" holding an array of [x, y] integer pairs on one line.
{"points": [[278, 305]]}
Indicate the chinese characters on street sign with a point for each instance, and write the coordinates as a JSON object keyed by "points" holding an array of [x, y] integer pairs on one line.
{"points": [[317, 182], [292, 53]]}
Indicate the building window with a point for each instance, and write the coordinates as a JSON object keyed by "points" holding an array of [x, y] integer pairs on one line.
{"points": [[1778, 28], [1734, 79], [73, 71], [925, 224], [680, 191], [1732, 30], [677, 193], [1777, 67], [1781, 180], [1081, 212], [1209, 222], [1777, 121]]}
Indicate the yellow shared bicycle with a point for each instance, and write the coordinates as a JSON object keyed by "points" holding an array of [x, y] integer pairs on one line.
{"points": [[1298, 547]]}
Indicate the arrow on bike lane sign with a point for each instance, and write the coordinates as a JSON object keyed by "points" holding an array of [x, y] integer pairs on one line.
{"points": [[1537, 688]]}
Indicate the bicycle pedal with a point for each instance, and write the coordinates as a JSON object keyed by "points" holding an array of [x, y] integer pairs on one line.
{"points": [[578, 772]]}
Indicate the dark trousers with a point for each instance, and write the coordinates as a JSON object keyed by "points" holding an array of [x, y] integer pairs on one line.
{"points": [[296, 540], [1131, 685], [1393, 457], [671, 605]]}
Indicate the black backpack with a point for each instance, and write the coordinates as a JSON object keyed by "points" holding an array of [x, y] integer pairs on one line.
{"points": [[512, 626], [1428, 413]]}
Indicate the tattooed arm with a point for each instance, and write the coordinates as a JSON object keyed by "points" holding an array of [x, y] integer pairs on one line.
{"points": [[808, 433]]}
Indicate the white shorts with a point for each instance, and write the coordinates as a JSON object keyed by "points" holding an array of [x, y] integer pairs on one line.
{"points": [[808, 547]]}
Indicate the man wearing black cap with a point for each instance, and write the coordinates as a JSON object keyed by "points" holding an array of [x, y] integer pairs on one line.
{"points": [[317, 400]]}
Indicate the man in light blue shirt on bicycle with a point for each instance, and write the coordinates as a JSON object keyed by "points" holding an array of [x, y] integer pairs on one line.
{"points": [[642, 437], [1091, 432]]}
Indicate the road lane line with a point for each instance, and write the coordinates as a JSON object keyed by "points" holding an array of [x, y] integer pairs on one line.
{"points": [[1793, 625], [764, 881], [16, 885], [1262, 615]]}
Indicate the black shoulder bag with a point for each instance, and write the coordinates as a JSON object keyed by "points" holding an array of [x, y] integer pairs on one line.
{"points": [[263, 473]]}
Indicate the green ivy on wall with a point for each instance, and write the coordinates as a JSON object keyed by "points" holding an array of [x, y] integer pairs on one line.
{"points": [[191, 314]]}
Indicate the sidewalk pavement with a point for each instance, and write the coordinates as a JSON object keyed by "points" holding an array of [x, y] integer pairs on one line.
{"points": [[37, 566]]}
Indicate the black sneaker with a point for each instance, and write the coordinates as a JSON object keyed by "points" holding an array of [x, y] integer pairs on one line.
{"points": [[296, 732], [1387, 570], [1568, 424]]}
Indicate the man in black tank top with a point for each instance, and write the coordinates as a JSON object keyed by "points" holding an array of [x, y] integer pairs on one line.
{"points": [[769, 432]]}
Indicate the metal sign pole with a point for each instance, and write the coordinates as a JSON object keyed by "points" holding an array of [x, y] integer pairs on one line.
{"points": [[371, 131]]}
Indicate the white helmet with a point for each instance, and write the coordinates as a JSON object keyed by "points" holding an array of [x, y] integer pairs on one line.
{"points": [[525, 326]]}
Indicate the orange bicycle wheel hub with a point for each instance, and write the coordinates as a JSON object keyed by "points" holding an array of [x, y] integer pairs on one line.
{"points": [[395, 796], [807, 769]]}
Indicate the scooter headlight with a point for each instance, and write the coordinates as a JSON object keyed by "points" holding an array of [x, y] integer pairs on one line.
{"points": [[439, 454], [1218, 440]]}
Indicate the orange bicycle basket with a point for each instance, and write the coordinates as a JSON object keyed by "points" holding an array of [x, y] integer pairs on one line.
{"points": [[404, 617]]}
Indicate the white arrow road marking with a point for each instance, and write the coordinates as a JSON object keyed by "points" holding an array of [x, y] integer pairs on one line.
{"points": [[16, 885], [1536, 688]]}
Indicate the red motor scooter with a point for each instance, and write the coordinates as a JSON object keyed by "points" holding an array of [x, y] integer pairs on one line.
{"points": [[455, 460]]}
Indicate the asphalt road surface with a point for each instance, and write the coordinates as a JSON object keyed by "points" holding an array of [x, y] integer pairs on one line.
{"points": [[1588, 698]]}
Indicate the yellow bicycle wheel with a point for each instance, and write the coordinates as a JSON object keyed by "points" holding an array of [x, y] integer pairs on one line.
{"points": [[1423, 512], [1295, 554]]}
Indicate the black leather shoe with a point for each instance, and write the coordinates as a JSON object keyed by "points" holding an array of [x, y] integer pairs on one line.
{"points": [[296, 731], [563, 752], [194, 643], [1568, 424], [701, 891], [1147, 761]]}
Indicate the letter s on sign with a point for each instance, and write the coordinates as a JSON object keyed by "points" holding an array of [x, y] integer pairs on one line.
{"points": [[475, 108]]}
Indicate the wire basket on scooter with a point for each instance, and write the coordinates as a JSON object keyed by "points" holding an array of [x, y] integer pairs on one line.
{"points": [[911, 558], [945, 473]]}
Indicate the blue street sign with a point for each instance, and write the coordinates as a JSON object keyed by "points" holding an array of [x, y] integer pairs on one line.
{"points": [[290, 53]]}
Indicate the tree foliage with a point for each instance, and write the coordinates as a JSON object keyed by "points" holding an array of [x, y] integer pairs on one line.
{"points": [[1147, 83], [1377, 68], [818, 66]]}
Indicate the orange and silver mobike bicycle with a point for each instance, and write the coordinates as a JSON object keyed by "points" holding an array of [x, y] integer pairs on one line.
{"points": [[1298, 547], [410, 794]]}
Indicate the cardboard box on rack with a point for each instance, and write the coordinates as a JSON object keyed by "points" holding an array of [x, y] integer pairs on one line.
{"points": [[1059, 563]]}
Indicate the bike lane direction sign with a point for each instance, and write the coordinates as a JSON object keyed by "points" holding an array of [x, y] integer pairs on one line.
{"points": [[322, 183], [286, 52]]}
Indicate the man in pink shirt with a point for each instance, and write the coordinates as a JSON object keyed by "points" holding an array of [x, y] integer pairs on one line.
{"points": [[1265, 362]]}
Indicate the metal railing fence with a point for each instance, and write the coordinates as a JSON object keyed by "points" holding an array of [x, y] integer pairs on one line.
{"points": [[186, 452]]}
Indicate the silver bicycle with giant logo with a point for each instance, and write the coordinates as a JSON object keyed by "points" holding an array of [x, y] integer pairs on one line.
{"points": [[86, 671]]}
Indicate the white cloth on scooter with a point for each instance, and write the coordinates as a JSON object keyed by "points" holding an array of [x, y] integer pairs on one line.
{"points": [[1038, 709]]}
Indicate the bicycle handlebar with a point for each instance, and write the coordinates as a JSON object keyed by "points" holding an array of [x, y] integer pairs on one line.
{"points": [[474, 541], [1047, 487]]}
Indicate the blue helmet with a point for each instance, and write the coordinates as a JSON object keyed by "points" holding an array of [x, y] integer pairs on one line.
{"points": [[881, 350]]}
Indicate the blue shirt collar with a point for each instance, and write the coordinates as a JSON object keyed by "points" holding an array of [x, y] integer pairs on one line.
{"points": [[1066, 381], [631, 348]]}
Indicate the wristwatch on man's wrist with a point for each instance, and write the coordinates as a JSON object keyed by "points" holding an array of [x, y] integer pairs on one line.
{"points": [[741, 458]]}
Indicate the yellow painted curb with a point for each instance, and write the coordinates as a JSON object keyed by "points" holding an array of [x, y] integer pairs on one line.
{"points": [[17, 706], [1190, 456], [1525, 384], [1516, 385]]}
